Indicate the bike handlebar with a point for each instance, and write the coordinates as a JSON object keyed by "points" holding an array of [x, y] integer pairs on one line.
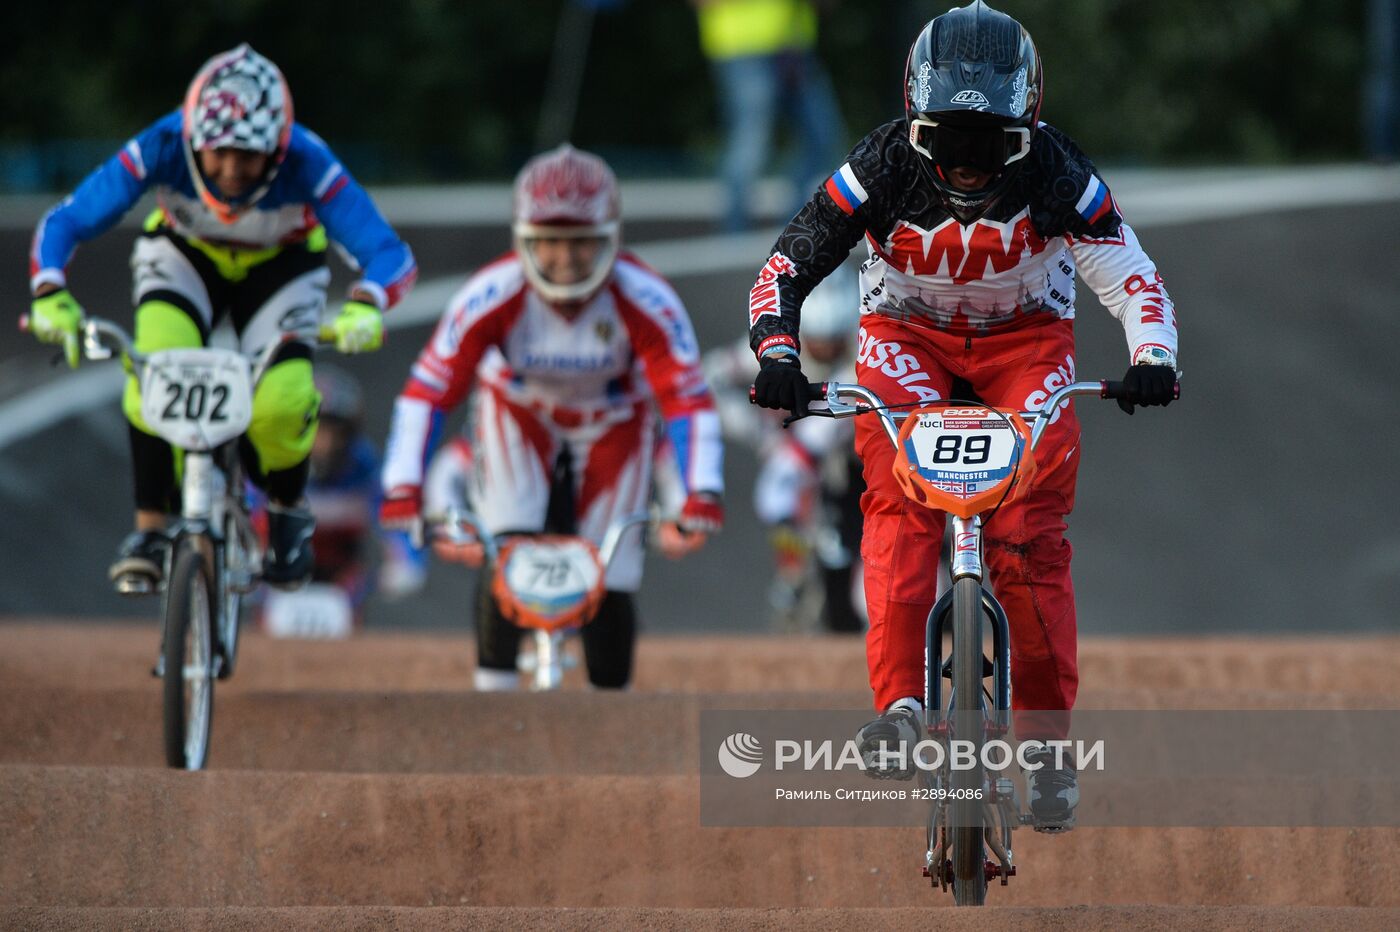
{"points": [[462, 527], [102, 336], [867, 401], [817, 391]]}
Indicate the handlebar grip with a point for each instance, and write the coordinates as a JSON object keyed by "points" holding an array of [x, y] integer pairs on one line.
{"points": [[816, 391], [1114, 390]]}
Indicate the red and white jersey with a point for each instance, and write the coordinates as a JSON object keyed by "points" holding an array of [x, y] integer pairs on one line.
{"points": [[632, 341], [1013, 267], [991, 275]]}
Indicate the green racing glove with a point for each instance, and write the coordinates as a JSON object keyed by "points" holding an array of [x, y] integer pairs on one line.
{"points": [[55, 318], [359, 328]]}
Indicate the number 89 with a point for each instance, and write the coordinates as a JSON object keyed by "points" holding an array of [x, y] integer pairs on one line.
{"points": [[950, 449]]}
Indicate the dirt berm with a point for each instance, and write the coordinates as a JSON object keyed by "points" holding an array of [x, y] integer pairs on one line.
{"points": [[354, 785], [907, 919]]}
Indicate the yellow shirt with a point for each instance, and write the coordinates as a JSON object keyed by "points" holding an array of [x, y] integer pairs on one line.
{"points": [[731, 28]]}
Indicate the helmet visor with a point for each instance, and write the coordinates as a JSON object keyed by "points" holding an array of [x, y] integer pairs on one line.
{"points": [[984, 148], [567, 263]]}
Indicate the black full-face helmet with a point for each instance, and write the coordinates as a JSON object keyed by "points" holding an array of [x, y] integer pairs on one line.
{"points": [[972, 91]]}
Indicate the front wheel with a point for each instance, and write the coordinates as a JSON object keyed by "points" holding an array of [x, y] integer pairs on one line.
{"points": [[969, 717], [233, 582], [189, 660]]}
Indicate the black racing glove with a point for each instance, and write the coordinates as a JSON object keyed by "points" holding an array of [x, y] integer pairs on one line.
{"points": [[781, 384], [1148, 385]]}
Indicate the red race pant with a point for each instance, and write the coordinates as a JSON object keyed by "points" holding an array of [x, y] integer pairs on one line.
{"points": [[1024, 544]]}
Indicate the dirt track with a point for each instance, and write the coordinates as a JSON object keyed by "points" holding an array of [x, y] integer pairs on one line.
{"points": [[367, 775]]}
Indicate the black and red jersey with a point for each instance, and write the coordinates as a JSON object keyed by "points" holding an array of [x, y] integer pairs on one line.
{"points": [[1012, 267]]}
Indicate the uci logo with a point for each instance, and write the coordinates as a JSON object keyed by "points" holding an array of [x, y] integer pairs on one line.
{"points": [[971, 98]]}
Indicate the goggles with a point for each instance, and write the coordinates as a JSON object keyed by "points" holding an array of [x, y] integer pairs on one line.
{"points": [[986, 148]]}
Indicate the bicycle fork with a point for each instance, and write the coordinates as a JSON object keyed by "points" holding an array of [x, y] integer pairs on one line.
{"points": [[204, 496], [1000, 812], [967, 561]]}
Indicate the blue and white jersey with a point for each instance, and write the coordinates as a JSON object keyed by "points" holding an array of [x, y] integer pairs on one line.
{"points": [[311, 187]]}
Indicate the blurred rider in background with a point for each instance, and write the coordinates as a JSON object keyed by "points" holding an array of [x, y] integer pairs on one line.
{"points": [[343, 494], [588, 342], [809, 482], [247, 200]]}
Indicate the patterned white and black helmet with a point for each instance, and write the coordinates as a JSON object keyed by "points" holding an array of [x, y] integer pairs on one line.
{"points": [[239, 100]]}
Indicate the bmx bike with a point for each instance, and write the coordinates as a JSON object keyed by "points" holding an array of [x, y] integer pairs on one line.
{"points": [[965, 459], [549, 584], [199, 400]]}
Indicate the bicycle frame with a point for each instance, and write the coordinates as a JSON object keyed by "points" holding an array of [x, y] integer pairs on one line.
{"points": [[207, 497], [461, 526], [214, 555], [1000, 813]]}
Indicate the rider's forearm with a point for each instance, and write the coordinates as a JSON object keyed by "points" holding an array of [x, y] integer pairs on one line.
{"points": [[1129, 285], [93, 207], [352, 220], [411, 432], [699, 450]]}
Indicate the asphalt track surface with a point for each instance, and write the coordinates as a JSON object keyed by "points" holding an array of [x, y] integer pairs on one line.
{"points": [[362, 785], [1263, 501]]}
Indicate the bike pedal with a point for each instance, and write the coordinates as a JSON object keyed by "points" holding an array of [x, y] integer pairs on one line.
{"points": [[987, 669], [134, 584], [875, 773]]}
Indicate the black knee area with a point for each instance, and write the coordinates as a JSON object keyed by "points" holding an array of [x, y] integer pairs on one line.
{"points": [[840, 614], [286, 486], [608, 641], [153, 468], [497, 638]]}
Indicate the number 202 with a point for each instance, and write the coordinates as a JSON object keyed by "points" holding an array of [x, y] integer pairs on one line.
{"points": [[195, 398]]}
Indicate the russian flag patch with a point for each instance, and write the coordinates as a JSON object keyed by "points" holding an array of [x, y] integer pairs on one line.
{"points": [[1096, 202], [845, 190]]}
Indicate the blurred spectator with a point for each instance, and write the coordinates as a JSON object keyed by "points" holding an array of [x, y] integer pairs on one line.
{"points": [[809, 484], [762, 53], [1383, 90], [343, 493]]}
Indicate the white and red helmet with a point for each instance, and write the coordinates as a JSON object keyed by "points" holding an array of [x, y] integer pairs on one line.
{"points": [[832, 310], [238, 100], [565, 193]]}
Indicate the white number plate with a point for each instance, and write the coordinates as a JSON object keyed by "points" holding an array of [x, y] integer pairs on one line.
{"points": [[317, 611], [551, 579], [197, 398], [963, 450]]}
